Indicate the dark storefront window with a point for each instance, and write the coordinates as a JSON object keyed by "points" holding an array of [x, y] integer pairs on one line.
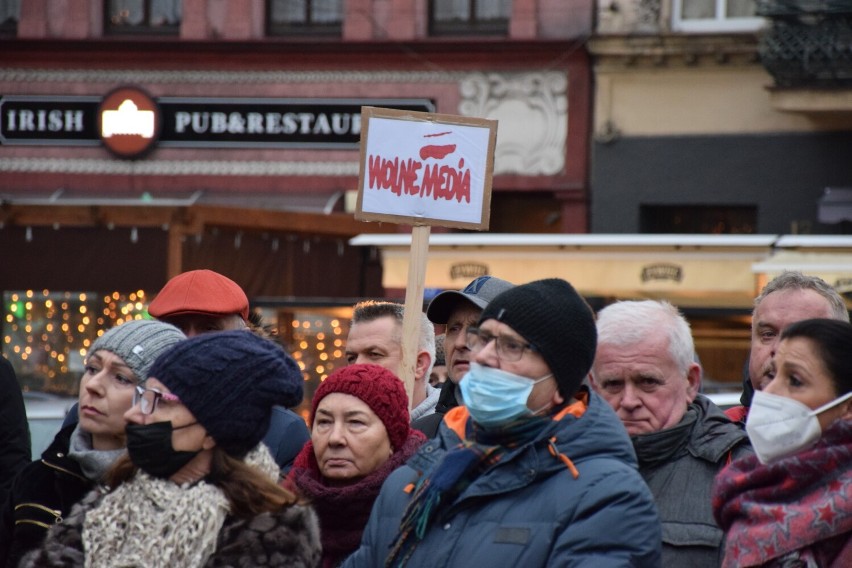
{"points": [[465, 17], [698, 219], [305, 17], [143, 16], [525, 212], [10, 14]]}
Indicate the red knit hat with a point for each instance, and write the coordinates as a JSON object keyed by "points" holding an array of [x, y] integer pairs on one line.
{"points": [[380, 389], [202, 292]]}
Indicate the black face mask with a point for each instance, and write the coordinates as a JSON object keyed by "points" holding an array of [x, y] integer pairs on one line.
{"points": [[150, 449]]}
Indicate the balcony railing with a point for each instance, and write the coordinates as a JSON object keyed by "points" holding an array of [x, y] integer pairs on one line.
{"points": [[809, 42]]}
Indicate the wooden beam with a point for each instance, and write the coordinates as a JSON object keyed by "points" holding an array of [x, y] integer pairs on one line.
{"points": [[174, 251], [192, 219], [334, 224]]}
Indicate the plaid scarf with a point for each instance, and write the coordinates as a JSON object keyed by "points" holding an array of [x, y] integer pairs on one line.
{"points": [[460, 467], [800, 505]]}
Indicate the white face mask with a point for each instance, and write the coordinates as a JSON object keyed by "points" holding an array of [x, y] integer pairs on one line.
{"points": [[779, 426]]}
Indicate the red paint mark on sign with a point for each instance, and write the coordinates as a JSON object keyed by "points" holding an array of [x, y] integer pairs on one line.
{"points": [[437, 152]]}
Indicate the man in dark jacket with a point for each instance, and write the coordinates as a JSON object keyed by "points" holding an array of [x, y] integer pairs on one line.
{"points": [[14, 432], [645, 369], [457, 311], [534, 471]]}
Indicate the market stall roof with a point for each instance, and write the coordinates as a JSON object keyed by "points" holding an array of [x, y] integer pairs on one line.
{"points": [[826, 256], [190, 211], [689, 270], [515, 240]]}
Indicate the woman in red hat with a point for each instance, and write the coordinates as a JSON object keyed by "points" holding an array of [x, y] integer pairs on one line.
{"points": [[360, 433]]}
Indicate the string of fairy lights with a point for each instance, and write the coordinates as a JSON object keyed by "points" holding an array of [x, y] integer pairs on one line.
{"points": [[315, 350], [46, 335], [317, 342]]}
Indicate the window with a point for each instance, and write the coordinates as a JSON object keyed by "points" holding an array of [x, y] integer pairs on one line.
{"points": [[10, 13], [305, 17], [143, 16], [715, 15], [464, 17], [698, 219]]}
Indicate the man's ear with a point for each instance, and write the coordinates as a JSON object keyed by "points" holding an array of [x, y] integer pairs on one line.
{"points": [[557, 399], [421, 367], [693, 377], [590, 378]]}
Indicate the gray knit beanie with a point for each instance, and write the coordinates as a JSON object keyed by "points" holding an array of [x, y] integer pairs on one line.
{"points": [[138, 343], [557, 321]]}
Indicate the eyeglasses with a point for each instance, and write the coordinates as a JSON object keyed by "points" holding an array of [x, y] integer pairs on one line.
{"points": [[508, 349], [147, 399]]}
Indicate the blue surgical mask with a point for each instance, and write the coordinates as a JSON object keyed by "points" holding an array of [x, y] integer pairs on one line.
{"points": [[495, 397]]}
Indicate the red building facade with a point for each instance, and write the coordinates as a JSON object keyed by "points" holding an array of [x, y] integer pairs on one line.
{"points": [[251, 174]]}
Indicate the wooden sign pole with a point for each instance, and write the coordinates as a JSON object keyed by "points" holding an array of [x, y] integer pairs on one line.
{"points": [[413, 307], [423, 169]]}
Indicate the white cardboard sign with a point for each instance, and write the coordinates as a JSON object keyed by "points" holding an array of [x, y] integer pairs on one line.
{"points": [[425, 169]]}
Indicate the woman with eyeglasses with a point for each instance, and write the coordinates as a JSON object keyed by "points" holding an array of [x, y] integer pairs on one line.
{"points": [[197, 487], [81, 453], [360, 434], [790, 505]]}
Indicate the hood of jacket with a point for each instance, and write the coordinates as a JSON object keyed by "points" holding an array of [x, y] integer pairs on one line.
{"points": [[714, 435]]}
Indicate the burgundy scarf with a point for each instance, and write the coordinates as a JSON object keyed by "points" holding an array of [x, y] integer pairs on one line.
{"points": [[801, 504], [343, 510]]}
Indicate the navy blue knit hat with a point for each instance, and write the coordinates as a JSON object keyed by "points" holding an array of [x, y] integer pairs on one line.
{"points": [[554, 319], [230, 381]]}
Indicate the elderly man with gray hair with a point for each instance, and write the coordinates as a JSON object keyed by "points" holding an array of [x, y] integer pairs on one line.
{"points": [[645, 369]]}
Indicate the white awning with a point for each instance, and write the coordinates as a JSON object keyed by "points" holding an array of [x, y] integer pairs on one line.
{"points": [[688, 270], [833, 267]]}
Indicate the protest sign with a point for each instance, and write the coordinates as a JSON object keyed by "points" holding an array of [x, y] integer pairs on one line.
{"points": [[423, 169]]}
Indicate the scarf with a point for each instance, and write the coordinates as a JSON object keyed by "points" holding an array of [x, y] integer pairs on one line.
{"points": [[156, 523], [657, 448], [93, 463], [801, 504], [460, 467], [344, 510]]}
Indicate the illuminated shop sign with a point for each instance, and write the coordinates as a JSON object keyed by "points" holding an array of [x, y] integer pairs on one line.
{"points": [[128, 122], [188, 122]]}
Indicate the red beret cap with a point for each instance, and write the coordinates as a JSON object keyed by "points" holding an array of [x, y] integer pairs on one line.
{"points": [[202, 292]]}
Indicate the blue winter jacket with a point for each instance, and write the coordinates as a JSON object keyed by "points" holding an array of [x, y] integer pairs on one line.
{"points": [[530, 509]]}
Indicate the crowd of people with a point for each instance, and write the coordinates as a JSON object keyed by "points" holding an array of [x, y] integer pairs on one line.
{"points": [[539, 433]]}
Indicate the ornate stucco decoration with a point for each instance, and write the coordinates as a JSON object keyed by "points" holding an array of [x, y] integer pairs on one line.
{"points": [[532, 110]]}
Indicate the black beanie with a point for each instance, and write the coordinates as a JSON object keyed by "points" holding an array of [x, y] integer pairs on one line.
{"points": [[230, 381], [554, 318]]}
